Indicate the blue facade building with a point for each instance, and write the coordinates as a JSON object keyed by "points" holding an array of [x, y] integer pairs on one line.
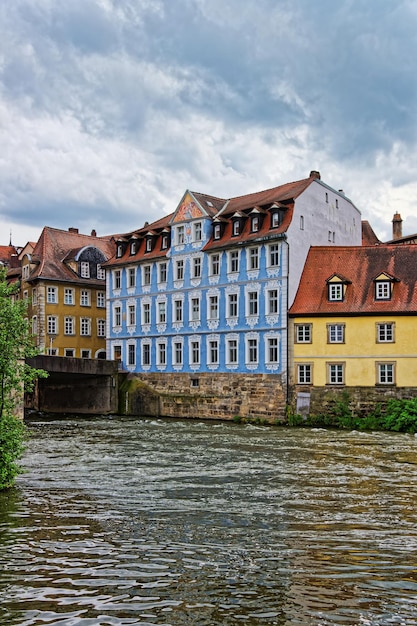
{"points": [[207, 289]]}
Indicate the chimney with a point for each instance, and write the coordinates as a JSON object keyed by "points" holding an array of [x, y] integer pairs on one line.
{"points": [[94, 233], [73, 230], [397, 226], [315, 174]]}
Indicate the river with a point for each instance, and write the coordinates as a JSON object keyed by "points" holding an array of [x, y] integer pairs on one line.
{"points": [[174, 522]]}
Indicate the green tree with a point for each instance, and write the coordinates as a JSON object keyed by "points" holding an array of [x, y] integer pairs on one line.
{"points": [[16, 345]]}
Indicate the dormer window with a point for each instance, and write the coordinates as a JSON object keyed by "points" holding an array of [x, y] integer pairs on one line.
{"points": [[335, 291], [336, 288], [217, 231], [255, 223], [382, 290], [101, 273], [85, 269], [236, 228], [149, 245], [119, 252], [133, 247], [164, 243], [275, 219]]}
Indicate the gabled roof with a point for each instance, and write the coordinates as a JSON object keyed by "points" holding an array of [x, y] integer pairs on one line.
{"points": [[9, 256], [361, 266], [369, 237], [54, 246]]}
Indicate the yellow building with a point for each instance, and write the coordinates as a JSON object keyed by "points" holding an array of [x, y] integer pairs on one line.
{"points": [[65, 286], [354, 320]]}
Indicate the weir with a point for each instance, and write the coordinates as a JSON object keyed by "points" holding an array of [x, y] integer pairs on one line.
{"points": [[83, 386]]}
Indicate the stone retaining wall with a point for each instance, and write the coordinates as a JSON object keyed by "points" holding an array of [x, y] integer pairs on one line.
{"points": [[208, 396]]}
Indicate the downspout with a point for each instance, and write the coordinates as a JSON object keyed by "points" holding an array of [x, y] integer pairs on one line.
{"points": [[287, 386]]}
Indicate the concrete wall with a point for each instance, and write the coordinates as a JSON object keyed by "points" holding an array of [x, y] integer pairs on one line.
{"points": [[217, 396]]}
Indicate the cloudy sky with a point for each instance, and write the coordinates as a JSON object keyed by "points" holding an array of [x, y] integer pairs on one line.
{"points": [[111, 109]]}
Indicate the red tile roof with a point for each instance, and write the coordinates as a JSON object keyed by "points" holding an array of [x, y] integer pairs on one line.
{"points": [[54, 246], [368, 235], [361, 266], [9, 256]]}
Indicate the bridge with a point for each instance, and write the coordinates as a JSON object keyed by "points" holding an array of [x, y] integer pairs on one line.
{"points": [[83, 386]]}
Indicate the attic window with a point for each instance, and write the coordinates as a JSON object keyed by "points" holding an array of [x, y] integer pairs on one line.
{"points": [[148, 244], [335, 292], [236, 228], [217, 231], [164, 244], [275, 219], [133, 247], [383, 289], [255, 223], [119, 252], [85, 269]]}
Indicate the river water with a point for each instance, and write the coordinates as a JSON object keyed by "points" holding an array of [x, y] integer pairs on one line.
{"points": [[136, 521]]}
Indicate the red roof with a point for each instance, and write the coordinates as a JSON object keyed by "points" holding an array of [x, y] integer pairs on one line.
{"points": [[358, 266], [368, 235], [9, 256], [54, 246]]}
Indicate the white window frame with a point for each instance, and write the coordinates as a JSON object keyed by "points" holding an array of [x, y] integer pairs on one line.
{"points": [[304, 374], [85, 297], [335, 292], [101, 327], [336, 373], [336, 333], [69, 296], [253, 259], [385, 332], [52, 325], [52, 295], [180, 232], [101, 299], [386, 373], [69, 325], [233, 258], [85, 269], [85, 326]]}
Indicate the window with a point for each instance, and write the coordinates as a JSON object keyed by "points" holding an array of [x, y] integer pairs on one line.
{"points": [[101, 328], [304, 374], [146, 275], [255, 223], [232, 308], [178, 310], [101, 272], [85, 354], [146, 354], [25, 294], [34, 296], [131, 315], [385, 332], [385, 373], [274, 255], [337, 203], [234, 261], [213, 307], [180, 235], [101, 299], [177, 353], [197, 231], [117, 279], [164, 244], [213, 352], [196, 267], [335, 333], [382, 290], [335, 292], [34, 325], [85, 297], [162, 312], [132, 247], [336, 373], [253, 259], [217, 231], [85, 326], [272, 350], [215, 264], [162, 354], [327, 198], [148, 244], [69, 327], [68, 296], [253, 303], [70, 352], [117, 353], [85, 269], [232, 351], [301, 222], [25, 271], [52, 295], [117, 316], [236, 228], [180, 270], [52, 325], [303, 333], [119, 252], [195, 352], [162, 272], [195, 309], [275, 219], [195, 382], [252, 350], [146, 313], [131, 277], [52, 351], [272, 301]]}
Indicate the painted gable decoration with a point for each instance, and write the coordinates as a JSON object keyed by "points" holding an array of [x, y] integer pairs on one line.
{"points": [[188, 209]]}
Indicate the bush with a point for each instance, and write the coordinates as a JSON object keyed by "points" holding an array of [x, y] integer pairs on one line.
{"points": [[12, 432]]}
